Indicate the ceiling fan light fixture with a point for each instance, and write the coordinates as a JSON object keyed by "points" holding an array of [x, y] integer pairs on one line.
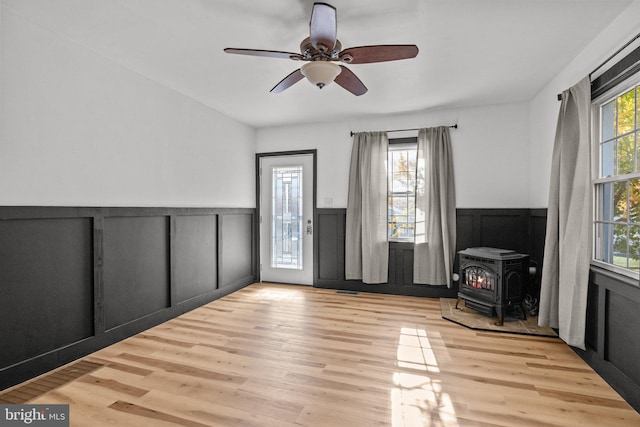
{"points": [[321, 73]]}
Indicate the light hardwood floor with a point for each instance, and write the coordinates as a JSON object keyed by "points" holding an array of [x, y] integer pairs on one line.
{"points": [[278, 355]]}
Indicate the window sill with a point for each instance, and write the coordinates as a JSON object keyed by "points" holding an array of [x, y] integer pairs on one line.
{"points": [[621, 275]]}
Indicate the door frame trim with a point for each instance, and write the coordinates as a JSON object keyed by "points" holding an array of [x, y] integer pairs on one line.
{"points": [[259, 156]]}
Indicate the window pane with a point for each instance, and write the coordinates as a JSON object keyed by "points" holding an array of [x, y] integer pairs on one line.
{"points": [[620, 207], [608, 159], [606, 203], [605, 234], [634, 247], [608, 121], [626, 112], [399, 184], [389, 169], [620, 245], [401, 222], [634, 200], [638, 107], [411, 182], [626, 152], [400, 161], [403, 230], [637, 151], [411, 207], [399, 205]]}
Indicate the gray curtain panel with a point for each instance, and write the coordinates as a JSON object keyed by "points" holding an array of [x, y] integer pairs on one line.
{"points": [[567, 251], [435, 238], [367, 245]]}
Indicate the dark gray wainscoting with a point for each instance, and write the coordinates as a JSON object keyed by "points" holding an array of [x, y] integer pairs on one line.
{"points": [[613, 328], [74, 280], [517, 229]]}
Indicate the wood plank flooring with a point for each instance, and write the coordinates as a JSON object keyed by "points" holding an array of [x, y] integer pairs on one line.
{"points": [[278, 355]]}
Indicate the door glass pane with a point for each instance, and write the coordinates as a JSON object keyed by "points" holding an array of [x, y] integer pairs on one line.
{"points": [[286, 217]]}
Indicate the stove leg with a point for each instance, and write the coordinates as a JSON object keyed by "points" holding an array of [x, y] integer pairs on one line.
{"points": [[458, 302], [524, 312], [500, 311]]}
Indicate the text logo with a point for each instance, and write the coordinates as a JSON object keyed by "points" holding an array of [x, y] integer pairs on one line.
{"points": [[34, 415]]}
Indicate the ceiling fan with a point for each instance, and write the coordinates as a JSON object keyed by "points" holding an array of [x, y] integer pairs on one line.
{"points": [[322, 50]]}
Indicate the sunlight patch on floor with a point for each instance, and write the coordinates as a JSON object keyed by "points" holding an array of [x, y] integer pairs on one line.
{"points": [[268, 295], [417, 399]]}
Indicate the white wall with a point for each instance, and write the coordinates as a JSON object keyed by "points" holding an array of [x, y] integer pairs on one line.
{"points": [[490, 152], [77, 129], [545, 105]]}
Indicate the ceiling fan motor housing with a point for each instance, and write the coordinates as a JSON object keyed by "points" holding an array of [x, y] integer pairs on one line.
{"points": [[311, 53]]}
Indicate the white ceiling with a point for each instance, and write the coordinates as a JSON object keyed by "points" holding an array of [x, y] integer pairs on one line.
{"points": [[472, 52]]}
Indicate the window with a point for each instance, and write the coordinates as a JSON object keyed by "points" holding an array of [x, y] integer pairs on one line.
{"points": [[401, 189], [617, 186]]}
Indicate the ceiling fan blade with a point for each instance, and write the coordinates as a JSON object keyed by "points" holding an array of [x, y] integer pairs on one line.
{"points": [[288, 81], [378, 53], [323, 27], [350, 82], [264, 53]]}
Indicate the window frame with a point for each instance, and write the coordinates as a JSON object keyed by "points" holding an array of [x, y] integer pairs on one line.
{"points": [[397, 144], [598, 181]]}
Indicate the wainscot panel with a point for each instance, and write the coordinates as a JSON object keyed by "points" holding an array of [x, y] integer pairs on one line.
{"points": [[196, 255], [238, 237], [45, 285], [136, 268], [75, 279], [622, 344], [613, 328], [329, 245]]}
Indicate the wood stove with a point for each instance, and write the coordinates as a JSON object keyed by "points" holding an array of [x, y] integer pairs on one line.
{"points": [[492, 279]]}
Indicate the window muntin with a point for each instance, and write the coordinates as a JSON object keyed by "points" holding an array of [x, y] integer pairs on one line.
{"points": [[617, 187], [401, 191]]}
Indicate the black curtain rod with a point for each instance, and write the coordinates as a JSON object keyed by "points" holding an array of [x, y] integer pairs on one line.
{"points": [[606, 61], [403, 130]]}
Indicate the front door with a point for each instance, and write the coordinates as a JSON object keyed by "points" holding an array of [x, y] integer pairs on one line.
{"points": [[286, 218]]}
